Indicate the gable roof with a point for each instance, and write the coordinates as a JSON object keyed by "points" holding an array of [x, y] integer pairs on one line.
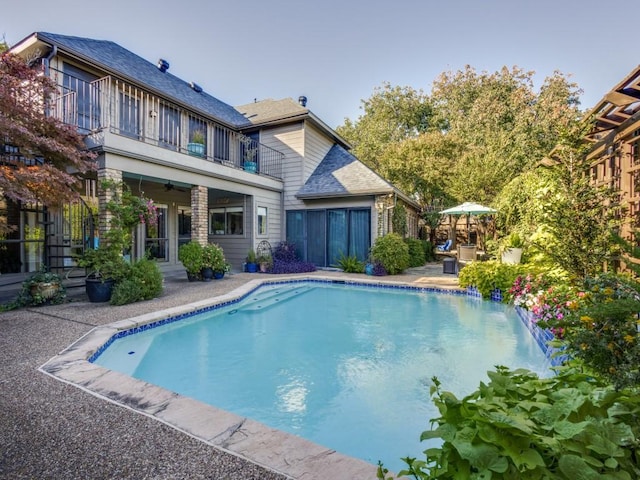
{"points": [[341, 174], [274, 112], [121, 62], [270, 110]]}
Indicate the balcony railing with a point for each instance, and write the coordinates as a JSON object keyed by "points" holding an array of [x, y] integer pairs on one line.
{"points": [[123, 109]]}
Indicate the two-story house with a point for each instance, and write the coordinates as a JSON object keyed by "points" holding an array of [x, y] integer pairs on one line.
{"points": [[268, 170]]}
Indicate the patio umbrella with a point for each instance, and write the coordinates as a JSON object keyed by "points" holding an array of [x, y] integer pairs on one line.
{"points": [[468, 209]]}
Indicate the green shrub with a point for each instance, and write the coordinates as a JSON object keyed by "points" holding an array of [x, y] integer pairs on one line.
{"points": [[428, 248], [416, 252], [191, 255], [489, 275], [351, 264], [143, 282], [392, 252], [519, 426]]}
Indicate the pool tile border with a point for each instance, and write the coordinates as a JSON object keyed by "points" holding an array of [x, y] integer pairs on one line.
{"points": [[287, 454]]}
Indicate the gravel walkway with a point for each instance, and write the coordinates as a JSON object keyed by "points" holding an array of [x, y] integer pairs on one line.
{"points": [[52, 430]]}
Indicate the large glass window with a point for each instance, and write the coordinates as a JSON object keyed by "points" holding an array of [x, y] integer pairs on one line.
{"points": [[226, 221], [323, 236]]}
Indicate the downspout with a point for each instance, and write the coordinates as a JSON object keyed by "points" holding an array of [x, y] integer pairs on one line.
{"points": [[47, 59]]}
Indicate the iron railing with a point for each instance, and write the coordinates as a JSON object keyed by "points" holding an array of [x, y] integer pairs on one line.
{"points": [[124, 109]]}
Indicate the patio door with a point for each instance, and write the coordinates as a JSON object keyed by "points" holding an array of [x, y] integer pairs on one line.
{"points": [[323, 236], [156, 238]]}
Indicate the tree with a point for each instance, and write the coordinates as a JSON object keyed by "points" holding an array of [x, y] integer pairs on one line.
{"points": [[468, 138], [505, 127], [567, 219], [41, 157], [391, 115]]}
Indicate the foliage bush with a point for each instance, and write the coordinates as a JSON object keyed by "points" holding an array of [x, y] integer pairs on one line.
{"points": [[416, 252], [213, 257], [143, 282], [191, 256], [351, 264], [33, 291], [428, 248], [519, 426], [285, 260], [392, 252], [488, 275], [598, 327]]}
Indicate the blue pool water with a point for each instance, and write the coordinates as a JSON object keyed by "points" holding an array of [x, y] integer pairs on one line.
{"points": [[348, 367]]}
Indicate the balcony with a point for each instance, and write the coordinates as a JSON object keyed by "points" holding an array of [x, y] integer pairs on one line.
{"points": [[122, 109]]}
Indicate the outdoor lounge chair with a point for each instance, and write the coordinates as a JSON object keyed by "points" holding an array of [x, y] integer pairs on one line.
{"points": [[445, 247]]}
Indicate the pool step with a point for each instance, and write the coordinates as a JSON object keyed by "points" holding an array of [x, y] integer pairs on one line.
{"points": [[264, 300]]}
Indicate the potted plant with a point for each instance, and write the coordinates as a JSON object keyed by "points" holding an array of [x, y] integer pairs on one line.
{"points": [[265, 261], [511, 248], [212, 260], [196, 145], [105, 266], [250, 152], [44, 287], [252, 266], [191, 255]]}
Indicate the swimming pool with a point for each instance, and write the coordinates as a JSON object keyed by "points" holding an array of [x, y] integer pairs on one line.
{"points": [[346, 366]]}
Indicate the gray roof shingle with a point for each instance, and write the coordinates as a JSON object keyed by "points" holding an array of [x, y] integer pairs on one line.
{"points": [[271, 110], [124, 63], [342, 174]]}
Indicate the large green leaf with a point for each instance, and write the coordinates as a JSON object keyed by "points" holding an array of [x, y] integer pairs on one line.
{"points": [[575, 468]]}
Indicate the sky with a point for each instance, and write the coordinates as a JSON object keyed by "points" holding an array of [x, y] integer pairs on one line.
{"points": [[337, 52]]}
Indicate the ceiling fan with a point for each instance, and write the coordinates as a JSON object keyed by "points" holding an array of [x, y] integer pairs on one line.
{"points": [[170, 186]]}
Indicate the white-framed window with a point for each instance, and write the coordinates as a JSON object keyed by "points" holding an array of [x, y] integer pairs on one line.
{"points": [[262, 220], [226, 221]]}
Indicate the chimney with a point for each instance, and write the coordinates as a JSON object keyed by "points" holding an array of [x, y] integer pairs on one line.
{"points": [[302, 100], [163, 65]]}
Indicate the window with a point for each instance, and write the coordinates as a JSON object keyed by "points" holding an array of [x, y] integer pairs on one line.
{"points": [[80, 110], [129, 115], [262, 220], [226, 221], [221, 141], [323, 236], [169, 127]]}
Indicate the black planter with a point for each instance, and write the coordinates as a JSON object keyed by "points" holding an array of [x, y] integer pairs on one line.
{"points": [[218, 275], [193, 276], [207, 274], [99, 290]]}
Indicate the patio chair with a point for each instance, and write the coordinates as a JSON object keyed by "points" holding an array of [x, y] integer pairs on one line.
{"points": [[445, 247]]}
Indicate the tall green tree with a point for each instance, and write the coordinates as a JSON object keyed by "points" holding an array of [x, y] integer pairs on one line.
{"points": [[568, 220], [504, 125], [468, 138], [578, 217], [391, 115]]}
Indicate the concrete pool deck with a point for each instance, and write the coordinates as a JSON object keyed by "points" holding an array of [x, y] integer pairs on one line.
{"points": [[97, 423]]}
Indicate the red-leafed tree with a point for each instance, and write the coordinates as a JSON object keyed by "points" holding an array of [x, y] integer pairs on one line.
{"points": [[41, 158]]}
